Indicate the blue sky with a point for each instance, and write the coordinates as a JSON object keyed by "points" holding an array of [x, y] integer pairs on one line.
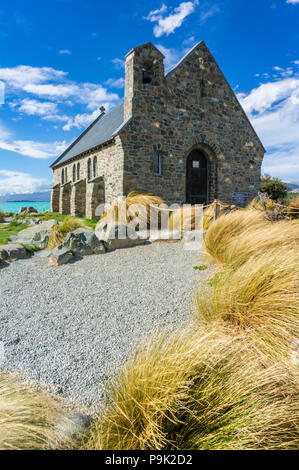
{"points": [[61, 59]]}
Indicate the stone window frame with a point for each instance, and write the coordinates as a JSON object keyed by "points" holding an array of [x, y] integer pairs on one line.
{"points": [[89, 170], [95, 162], [65, 175], [62, 176], [74, 172], [158, 153], [78, 171]]}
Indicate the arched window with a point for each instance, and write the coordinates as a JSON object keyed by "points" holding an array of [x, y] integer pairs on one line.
{"points": [[65, 175], [95, 167], [74, 172], [89, 169], [62, 176], [78, 171]]}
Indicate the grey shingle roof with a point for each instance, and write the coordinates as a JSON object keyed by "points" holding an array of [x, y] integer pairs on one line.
{"points": [[100, 131]]}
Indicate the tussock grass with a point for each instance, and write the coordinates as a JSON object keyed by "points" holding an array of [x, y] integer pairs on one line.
{"points": [[191, 390], [293, 209], [264, 204], [261, 297], [225, 229], [209, 212], [123, 212], [256, 241], [27, 417], [69, 224]]}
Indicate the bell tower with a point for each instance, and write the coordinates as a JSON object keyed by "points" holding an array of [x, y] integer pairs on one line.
{"points": [[144, 74]]}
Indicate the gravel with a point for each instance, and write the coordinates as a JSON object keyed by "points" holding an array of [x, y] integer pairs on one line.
{"points": [[71, 327]]}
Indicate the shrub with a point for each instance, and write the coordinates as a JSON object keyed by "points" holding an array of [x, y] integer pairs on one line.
{"points": [[256, 241], [27, 418], [260, 297], [225, 229], [293, 209], [60, 231], [274, 187], [189, 390]]}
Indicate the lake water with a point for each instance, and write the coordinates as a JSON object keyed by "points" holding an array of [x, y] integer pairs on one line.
{"points": [[15, 206]]}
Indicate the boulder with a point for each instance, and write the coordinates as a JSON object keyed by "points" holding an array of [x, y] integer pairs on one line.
{"points": [[27, 210], [60, 256], [30, 222], [12, 251], [83, 241], [37, 235], [118, 235]]}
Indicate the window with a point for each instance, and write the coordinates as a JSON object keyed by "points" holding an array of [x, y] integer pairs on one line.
{"points": [[89, 169], [95, 167], [146, 76], [78, 171], [74, 172], [62, 176], [65, 175], [157, 164]]}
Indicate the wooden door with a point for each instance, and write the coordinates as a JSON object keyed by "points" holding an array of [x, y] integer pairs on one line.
{"points": [[197, 178]]}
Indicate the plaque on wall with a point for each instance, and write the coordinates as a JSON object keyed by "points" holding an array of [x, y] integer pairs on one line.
{"points": [[240, 198]]}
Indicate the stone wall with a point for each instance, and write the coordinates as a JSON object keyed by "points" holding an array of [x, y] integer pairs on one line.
{"points": [[105, 183], [192, 107]]}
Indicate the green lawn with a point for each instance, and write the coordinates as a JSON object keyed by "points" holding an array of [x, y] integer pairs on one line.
{"points": [[7, 231]]}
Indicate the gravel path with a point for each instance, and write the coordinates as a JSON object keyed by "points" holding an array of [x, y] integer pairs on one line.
{"points": [[71, 327]]}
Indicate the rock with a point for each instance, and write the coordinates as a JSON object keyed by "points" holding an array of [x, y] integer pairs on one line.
{"points": [[37, 235], [13, 251], [117, 235], [72, 425], [35, 221], [43, 253], [60, 256], [27, 210], [83, 241]]}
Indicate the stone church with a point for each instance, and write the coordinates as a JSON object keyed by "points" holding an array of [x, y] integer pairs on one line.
{"points": [[182, 136]]}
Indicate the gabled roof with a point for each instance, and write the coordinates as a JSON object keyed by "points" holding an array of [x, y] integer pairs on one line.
{"points": [[99, 132]]}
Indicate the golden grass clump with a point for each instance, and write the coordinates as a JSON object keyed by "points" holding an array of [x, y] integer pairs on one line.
{"points": [[256, 241], [209, 212], [190, 390], [225, 229], [293, 209], [124, 211], [59, 231], [27, 417], [260, 297]]}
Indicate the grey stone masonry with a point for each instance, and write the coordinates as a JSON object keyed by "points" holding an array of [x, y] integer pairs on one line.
{"points": [[166, 118]]}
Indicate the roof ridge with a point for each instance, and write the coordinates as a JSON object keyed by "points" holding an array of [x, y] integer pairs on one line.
{"points": [[184, 57]]}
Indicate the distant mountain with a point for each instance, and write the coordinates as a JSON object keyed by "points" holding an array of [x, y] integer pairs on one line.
{"points": [[293, 187], [31, 197]]}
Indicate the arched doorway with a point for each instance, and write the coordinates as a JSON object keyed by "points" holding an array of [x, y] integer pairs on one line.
{"points": [[197, 178]]}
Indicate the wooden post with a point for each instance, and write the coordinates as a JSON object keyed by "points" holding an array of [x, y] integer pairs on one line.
{"points": [[216, 209]]}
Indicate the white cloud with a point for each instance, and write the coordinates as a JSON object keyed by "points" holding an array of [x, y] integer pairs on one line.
{"points": [[29, 148], [293, 2], [206, 14], [273, 109], [34, 107], [172, 56], [16, 182], [22, 75], [115, 82], [81, 120], [168, 24], [118, 63], [65, 52]]}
